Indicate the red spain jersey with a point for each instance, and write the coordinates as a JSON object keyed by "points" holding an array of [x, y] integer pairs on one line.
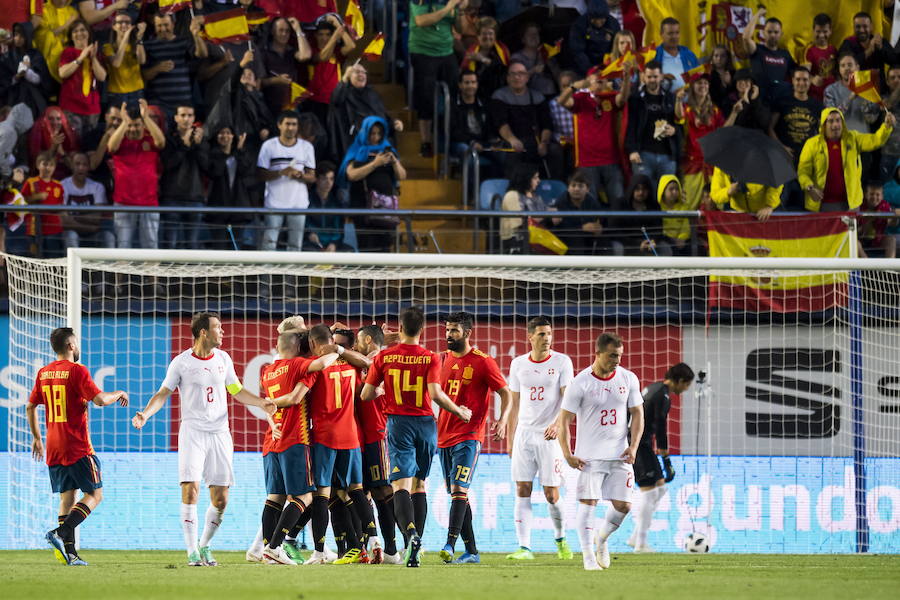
{"points": [[279, 379], [372, 420], [469, 381], [65, 389], [406, 370], [595, 129], [50, 224], [331, 395]]}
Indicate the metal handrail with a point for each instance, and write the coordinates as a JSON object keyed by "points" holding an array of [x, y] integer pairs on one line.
{"points": [[441, 89]]}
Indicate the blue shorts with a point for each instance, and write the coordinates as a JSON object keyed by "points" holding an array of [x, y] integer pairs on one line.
{"points": [[376, 466], [339, 468], [458, 463], [288, 472], [412, 442], [83, 475]]}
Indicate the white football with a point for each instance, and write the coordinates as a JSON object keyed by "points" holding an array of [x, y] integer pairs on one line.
{"points": [[696, 542]]}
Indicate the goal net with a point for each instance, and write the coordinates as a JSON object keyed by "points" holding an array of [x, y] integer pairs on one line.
{"points": [[791, 443]]}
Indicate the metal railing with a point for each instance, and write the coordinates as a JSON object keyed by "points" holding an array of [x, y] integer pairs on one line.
{"points": [[442, 155]]}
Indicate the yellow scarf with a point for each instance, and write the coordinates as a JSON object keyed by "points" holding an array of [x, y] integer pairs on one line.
{"points": [[86, 78]]}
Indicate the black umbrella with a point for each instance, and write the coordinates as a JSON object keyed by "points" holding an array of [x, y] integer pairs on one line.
{"points": [[748, 156], [553, 27]]}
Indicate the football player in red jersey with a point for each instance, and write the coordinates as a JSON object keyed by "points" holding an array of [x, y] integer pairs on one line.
{"points": [[412, 378], [65, 388], [470, 378]]}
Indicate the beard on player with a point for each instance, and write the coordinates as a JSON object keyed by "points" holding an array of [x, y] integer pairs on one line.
{"points": [[454, 345]]}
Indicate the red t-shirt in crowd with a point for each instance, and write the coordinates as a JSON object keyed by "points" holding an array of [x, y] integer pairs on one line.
{"points": [[693, 155], [324, 76], [469, 381], [65, 389], [331, 392], [823, 62], [835, 187], [279, 379], [50, 224], [406, 370], [71, 92], [135, 172], [595, 129], [307, 11]]}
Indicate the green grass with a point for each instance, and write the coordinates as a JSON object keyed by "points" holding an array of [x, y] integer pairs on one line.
{"points": [[164, 575]]}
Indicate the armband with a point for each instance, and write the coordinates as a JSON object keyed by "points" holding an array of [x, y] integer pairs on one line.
{"points": [[234, 388]]}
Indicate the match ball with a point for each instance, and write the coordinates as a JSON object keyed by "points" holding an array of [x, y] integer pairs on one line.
{"points": [[696, 543]]}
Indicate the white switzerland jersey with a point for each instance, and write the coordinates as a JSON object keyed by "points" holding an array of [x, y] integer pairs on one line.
{"points": [[201, 385], [601, 409], [538, 385]]}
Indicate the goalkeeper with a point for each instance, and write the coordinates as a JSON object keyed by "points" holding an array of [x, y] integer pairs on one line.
{"points": [[648, 474]]}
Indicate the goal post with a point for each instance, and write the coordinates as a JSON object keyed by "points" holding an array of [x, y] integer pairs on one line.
{"points": [[794, 447]]}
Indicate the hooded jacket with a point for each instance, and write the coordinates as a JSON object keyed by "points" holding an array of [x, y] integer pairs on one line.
{"points": [[677, 229], [812, 169], [755, 198], [16, 124], [588, 43]]}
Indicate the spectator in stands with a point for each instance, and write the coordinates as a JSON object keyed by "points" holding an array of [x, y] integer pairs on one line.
{"points": [[721, 76], [96, 142], [80, 70], [873, 239], [373, 169], [466, 27], [521, 195], [591, 35], [51, 31], [432, 58], [651, 139], [769, 63], [868, 48], [674, 58], [891, 192], [332, 44], [134, 147], [100, 14], [676, 233], [795, 119], [124, 55], [596, 111], [351, 102], [45, 231], [325, 233], [541, 70], [583, 235], [638, 234], [695, 109], [232, 178], [23, 73], [623, 43], [890, 153], [858, 112], [17, 122], [287, 164], [487, 58], [830, 169], [748, 108], [753, 198], [53, 132], [167, 70], [307, 11], [522, 119], [184, 159], [563, 120], [80, 229], [821, 57], [469, 122]]}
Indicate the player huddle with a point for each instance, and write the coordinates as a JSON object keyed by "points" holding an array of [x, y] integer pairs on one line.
{"points": [[351, 423]]}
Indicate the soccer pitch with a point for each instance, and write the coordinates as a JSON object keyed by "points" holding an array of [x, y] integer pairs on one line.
{"points": [[164, 575]]}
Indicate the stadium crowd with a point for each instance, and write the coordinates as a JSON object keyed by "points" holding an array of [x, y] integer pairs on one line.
{"points": [[134, 103]]}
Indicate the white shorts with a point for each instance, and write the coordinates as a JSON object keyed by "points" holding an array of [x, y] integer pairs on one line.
{"points": [[205, 455], [606, 480], [533, 455]]}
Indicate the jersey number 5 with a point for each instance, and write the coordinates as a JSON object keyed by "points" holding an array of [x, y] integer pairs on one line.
{"points": [[55, 397]]}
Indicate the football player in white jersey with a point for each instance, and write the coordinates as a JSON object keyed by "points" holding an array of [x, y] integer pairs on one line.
{"points": [[602, 397], [204, 376], [538, 381]]}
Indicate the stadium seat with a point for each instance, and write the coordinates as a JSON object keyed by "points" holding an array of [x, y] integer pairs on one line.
{"points": [[491, 189]]}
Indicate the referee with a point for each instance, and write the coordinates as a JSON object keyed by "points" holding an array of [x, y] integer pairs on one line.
{"points": [[648, 473]]}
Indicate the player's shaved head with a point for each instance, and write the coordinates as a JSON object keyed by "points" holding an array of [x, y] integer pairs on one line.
{"points": [[320, 334], [412, 320], [200, 322], [464, 319], [536, 322], [289, 342], [374, 332], [294, 322], [607, 339], [59, 339]]}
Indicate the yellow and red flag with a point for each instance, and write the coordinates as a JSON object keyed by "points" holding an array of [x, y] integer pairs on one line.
{"points": [[375, 48], [257, 17], [696, 73], [550, 50], [353, 17], [170, 6], [36, 7], [617, 67], [741, 235], [226, 26], [645, 55], [298, 95], [543, 241], [865, 85]]}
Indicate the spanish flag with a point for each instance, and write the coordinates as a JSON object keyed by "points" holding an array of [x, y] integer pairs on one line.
{"points": [[12, 197], [740, 234], [500, 47], [226, 26], [36, 7], [353, 17], [298, 95], [617, 67], [865, 85], [645, 55], [550, 50], [257, 17], [696, 73], [543, 241], [170, 6], [375, 48]]}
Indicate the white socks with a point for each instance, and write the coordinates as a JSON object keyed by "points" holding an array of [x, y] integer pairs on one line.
{"points": [[559, 528], [213, 520], [644, 517], [189, 526], [584, 522], [613, 519], [523, 515], [257, 546]]}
